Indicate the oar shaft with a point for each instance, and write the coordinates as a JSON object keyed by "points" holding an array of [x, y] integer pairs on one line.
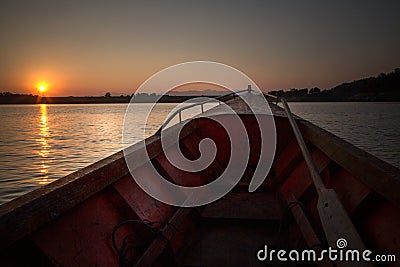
{"points": [[319, 185]]}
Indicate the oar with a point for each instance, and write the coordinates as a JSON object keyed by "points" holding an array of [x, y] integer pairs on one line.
{"points": [[334, 218]]}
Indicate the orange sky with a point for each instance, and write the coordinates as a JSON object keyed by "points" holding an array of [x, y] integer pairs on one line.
{"points": [[89, 48]]}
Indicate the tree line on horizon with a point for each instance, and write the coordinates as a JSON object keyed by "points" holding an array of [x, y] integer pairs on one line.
{"points": [[384, 87]]}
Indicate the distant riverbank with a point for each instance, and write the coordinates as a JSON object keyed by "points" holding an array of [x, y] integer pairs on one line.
{"points": [[383, 88], [164, 99]]}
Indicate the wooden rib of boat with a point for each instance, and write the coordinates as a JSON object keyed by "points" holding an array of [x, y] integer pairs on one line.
{"points": [[99, 216]]}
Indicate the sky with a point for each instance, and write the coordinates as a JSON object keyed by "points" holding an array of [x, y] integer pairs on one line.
{"points": [[93, 47]]}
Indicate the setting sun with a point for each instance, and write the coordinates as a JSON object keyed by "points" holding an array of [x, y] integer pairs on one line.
{"points": [[42, 87]]}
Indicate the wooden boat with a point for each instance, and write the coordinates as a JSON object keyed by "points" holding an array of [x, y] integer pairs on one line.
{"points": [[99, 216]]}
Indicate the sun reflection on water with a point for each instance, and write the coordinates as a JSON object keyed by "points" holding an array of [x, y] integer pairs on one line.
{"points": [[44, 133]]}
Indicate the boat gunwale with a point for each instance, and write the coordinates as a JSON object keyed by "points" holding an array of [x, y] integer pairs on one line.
{"points": [[375, 173]]}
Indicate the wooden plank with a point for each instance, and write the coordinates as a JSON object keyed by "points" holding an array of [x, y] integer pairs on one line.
{"points": [[229, 243], [299, 180], [284, 133], [244, 206], [178, 176], [146, 207], [350, 190], [285, 163], [284, 159]]}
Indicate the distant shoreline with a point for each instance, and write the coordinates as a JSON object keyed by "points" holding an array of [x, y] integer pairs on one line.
{"points": [[26, 99], [148, 99], [383, 88]]}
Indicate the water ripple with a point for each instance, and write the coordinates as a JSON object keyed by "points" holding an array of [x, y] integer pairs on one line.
{"points": [[42, 143]]}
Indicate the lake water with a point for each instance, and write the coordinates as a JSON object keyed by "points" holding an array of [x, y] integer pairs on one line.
{"points": [[371, 126], [42, 143]]}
